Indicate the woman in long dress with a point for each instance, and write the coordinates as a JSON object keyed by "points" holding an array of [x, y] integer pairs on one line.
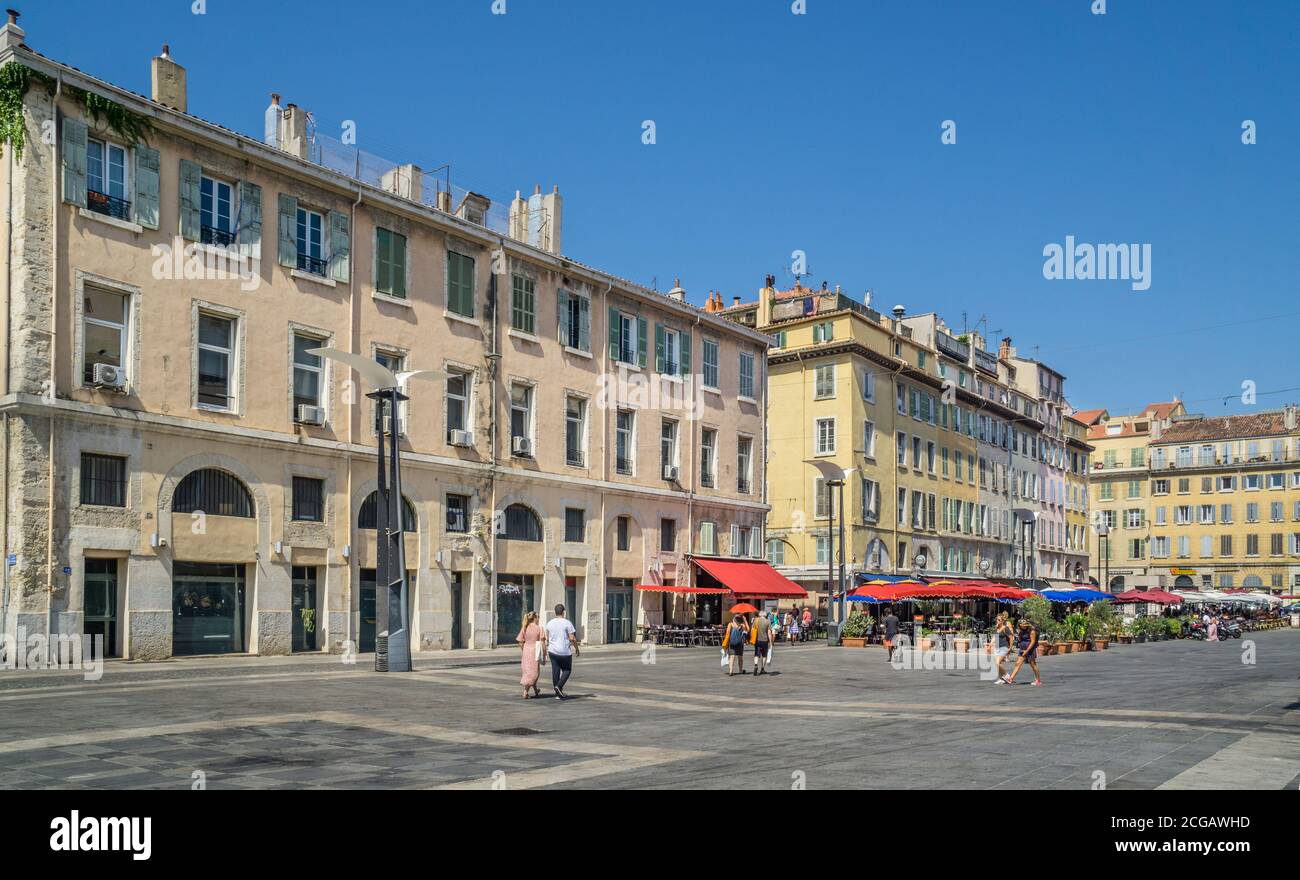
{"points": [[529, 639]]}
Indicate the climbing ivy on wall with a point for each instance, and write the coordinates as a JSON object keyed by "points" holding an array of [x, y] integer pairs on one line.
{"points": [[16, 79]]}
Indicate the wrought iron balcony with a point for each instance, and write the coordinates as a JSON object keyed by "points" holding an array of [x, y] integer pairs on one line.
{"points": [[313, 265], [110, 206], [219, 237]]}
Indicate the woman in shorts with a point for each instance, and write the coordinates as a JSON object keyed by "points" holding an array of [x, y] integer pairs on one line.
{"points": [[1002, 637]]}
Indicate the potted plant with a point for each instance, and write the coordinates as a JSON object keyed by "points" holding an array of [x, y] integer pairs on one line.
{"points": [[1101, 621], [854, 633], [1122, 633], [1039, 612], [1075, 628], [961, 642]]}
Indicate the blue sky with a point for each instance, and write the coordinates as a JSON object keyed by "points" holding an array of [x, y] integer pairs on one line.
{"points": [[821, 132]]}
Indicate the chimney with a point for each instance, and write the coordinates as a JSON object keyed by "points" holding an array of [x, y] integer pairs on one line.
{"points": [[405, 181], [11, 36], [735, 301], [1292, 418], [293, 131], [271, 122], [677, 292], [518, 229], [899, 312], [168, 80], [1004, 350]]}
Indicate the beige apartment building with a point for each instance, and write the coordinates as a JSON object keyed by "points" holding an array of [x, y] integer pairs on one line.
{"points": [[183, 477]]}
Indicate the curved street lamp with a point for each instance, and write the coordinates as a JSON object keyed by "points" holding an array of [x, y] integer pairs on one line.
{"points": [[390, 562]]}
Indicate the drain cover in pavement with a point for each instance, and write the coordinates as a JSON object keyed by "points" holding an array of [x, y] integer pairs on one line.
{"points": [[516, 731]]}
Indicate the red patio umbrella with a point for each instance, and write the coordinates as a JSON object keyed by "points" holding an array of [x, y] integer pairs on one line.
{"points": [[743, 608]]}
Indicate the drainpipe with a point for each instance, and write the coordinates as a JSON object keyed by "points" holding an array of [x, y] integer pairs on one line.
{"points": [[893, 470], [695, 426], [54, 333], [352, 416], [604, 462], [9, 274], [494, 361]]}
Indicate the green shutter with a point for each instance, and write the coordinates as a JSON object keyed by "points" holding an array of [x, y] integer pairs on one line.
{"points": [[339, 246], [250, 219], [685, 358], [190, 200], [74, 161], [641, 341], [397, 248], [288, 231], [584, 324], [146, 187], [659, 348], [615, 335], [562, 315], [383, 266]]}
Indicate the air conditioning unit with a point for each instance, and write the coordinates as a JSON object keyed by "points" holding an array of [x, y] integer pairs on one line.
{"points": [[109, 376], [309, 415], [460, 438], [670, 473], [521, 446], [388, 426]]}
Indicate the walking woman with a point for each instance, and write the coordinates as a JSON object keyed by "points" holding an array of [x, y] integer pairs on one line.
{"points": [[792, 626], [530, 640], [1002, 638], [1027, 642], [737, 635]]}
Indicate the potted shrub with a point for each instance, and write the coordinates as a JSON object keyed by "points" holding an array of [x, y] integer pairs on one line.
{"points": [[1174, 627], [1075, 630], [1039, 612], [1101, 621], [961, 642], [854, 633]]}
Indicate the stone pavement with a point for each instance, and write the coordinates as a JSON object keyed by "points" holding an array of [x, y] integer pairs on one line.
{"points": [[1173, 714]]}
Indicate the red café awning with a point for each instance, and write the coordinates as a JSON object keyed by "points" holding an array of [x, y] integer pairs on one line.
{"points": [[662, 588], [750, 578]]}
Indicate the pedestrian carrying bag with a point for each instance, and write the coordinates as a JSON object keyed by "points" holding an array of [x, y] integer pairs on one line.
{"points": [[724, 658]]}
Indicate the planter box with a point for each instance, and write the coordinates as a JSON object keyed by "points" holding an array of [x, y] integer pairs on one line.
{"points": [[853, 643], [961, 645], [1100, 644], [1077, 646]]}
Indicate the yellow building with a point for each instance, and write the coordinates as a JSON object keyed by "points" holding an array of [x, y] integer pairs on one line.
{"points": [[1224, 505], [937, 443]]}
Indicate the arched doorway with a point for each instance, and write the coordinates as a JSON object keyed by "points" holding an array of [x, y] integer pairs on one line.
{"points": [[1183, 582], [1117, 583]]}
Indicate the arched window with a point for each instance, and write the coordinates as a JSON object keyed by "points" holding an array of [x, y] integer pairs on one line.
{"points": [[521, 524], [1183, 582], [1253, 580], [214, 493], [367, 518]]}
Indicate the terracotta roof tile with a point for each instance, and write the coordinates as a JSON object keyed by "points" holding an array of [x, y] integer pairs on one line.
{"points": [[1265, 424]]}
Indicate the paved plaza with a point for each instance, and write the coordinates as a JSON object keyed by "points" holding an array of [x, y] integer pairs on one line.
{"points": [[1174, 715]]}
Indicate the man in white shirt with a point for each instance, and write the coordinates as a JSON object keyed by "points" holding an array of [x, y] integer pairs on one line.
{"points": [[562, 647]]}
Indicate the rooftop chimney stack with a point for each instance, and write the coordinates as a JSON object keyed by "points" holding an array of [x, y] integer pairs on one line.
{"points": [[735, 301], [271, 124], [1004, 350], [293, 131], [677, 292], [168, 81], [405, 181], [11, 36], [899, 312]]}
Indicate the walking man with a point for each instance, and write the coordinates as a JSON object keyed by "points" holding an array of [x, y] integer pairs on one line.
{"points": [[1027, 642], [562, 646], [890, 623], [760, 635]]}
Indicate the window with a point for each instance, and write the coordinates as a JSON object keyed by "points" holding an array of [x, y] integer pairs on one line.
{"points": [[621, 529], [216, 212], [106, 179], [667, 535], [1225, 545], [1275, 544], [1252, 513], [708, 456], [216, 356], [821, 498], [672, 351], [457, 402], [308, 499], [627, 338], [870, 500], [368, 516], [900, 398], [1159, 487], [1159, 547], [1277, 481], [1207, 546], [1252, 545], [624, 443], [311, 247], [460, 284], [103, 330], [523, 304], [708, 539], [823, 331], [869, 386], [390, 263], [900, 447], [458, 513], [521, 524], [573, 318], [746, 374], [395, 362], [521, 419], [825, 434], [212, 492], [710, 353], [869, 439], [668, 444], [775, 551], [575, 525], [1251, 482], [824, 381], [823, 550], [575, 430], [103, 480], [744, 446], [307, 369], [1275, 511]]}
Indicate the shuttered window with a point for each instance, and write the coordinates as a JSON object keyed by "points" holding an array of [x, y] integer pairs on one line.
{"points": [[460, 284], [390, 263]]}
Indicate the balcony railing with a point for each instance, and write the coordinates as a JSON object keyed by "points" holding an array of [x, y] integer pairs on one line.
{"points": [[110, 206], [742, 486], [706, 480], [219, 237], [312, 265], [574, 458]]}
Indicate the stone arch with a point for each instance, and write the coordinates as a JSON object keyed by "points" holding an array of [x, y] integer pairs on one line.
{"points": [[509, 500], [233, 466]]}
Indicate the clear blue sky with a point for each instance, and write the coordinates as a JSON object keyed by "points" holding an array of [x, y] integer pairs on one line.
{"points": [[821, 132]]}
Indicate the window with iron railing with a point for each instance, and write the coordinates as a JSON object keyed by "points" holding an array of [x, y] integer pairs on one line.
{"points": [[103, 480]]}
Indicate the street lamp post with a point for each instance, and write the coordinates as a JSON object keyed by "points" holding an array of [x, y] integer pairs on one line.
{"points": [[393, 643], [834, 476]]}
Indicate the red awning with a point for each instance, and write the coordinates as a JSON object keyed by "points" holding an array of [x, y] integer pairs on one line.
{"points": [[661, 588], [751, 578]]}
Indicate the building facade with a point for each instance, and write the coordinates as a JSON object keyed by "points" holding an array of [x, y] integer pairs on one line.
{"points": [[183, 476], [941, 447]]}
